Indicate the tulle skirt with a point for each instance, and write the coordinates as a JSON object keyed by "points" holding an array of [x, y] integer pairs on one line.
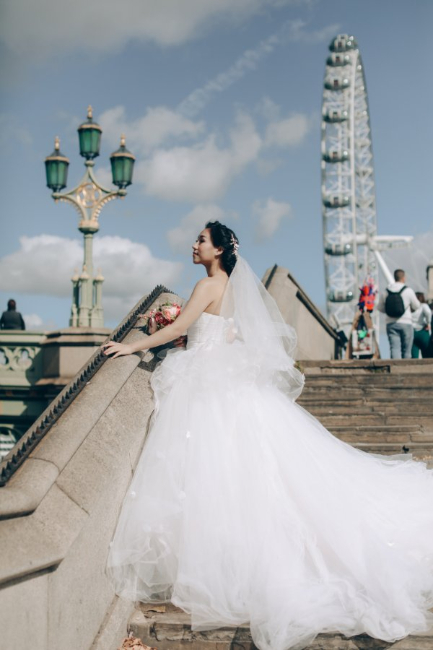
{"points": [[244, 509]]}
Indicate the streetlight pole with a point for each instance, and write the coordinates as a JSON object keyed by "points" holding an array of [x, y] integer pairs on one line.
{"points": [[88, 198]]}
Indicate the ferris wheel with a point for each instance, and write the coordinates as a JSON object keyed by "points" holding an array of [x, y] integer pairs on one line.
{"points": [[350, 241], [348, 189]]}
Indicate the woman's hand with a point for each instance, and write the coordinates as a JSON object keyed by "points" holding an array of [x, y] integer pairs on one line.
{"points": [[117, 349]]}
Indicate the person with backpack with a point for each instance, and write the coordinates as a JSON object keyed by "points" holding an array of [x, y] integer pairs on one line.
{"points": [[398, 303]]}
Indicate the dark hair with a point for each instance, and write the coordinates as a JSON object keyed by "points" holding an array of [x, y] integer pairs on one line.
{"points": [[399, 275], [12, 304], [420, 296], [226, 238]]}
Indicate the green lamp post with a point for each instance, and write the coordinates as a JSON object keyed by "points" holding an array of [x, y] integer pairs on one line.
{"points": [[88, 198]]}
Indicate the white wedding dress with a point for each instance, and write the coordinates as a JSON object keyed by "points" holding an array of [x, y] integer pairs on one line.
{"points": [[244, 509]]}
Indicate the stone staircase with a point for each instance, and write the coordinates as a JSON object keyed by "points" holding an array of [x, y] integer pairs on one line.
{"points": [[166, 627], [379, 406]]}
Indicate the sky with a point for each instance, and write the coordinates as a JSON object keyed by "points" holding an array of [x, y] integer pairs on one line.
{"points": [[220, 102]]}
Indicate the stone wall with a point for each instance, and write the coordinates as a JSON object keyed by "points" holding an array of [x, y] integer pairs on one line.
{"points": [[59, 510], [316, 338]]}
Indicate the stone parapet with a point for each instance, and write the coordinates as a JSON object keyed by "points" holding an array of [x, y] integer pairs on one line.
{"points": [[316, 338], [59, 509], [20, 357]]}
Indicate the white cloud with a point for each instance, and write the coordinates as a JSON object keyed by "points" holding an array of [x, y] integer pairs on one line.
{"points": [[158, 125], [183, 236], [45, 263], [299, 34], [268, 109], [266, 166], [287, 132], [33, 321], [203, 172], [248, 61], [291, 30], [269, 216], [36, 323], [39, 29], [105, 178]]}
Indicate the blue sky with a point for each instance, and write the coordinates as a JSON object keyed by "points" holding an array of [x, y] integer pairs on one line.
{"points": [[220, 102]]}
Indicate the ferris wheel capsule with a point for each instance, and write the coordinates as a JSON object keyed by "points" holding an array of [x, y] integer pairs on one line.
{"points": [[334, 115], [338, 249], [335, 155], [336, 59], [336, 83], [343, 43], [336, 200], [335, 295]]}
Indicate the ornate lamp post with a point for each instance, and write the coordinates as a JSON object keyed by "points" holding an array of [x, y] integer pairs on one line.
{"points": [[88, 198]]}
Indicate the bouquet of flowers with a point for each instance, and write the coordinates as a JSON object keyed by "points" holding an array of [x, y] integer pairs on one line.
{"points": [[156, 319], [159, 318]]}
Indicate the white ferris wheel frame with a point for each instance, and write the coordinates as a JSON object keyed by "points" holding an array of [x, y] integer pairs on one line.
{"points": [[350, 242]]}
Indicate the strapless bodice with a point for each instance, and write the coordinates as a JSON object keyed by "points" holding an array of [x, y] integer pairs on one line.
{"points": [[208, 328]]}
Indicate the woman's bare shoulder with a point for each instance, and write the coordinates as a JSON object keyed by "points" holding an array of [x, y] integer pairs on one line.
{"points": [[208, 282]]}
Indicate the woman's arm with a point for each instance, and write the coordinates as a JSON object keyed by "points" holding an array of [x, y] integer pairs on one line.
{"points": [[427, 315], [201, 297]]}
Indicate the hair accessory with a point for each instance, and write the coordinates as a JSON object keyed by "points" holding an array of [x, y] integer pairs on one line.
{"points": [[234, 242]]}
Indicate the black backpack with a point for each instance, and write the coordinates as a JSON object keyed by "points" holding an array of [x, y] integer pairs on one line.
{"points": [[394, 305]]}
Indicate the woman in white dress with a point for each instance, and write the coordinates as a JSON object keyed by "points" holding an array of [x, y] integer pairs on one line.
{"points": [[243, 508]]}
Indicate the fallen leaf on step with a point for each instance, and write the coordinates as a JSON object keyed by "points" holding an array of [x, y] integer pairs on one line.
{"points": [[132, 643], [155, 608]]}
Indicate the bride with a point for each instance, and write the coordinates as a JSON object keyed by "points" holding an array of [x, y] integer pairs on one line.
{"points": [[243, 508]]}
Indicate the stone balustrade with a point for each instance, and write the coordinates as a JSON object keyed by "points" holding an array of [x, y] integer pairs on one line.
{"points": [[20, 357]]}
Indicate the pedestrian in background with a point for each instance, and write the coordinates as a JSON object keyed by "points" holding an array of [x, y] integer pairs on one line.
{"points": [[12, 319], [421, 319], [398, 303]]}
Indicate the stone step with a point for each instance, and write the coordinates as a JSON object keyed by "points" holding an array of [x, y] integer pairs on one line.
{"points": [[363, 407], [407, 383], [418, 448], [385, 433], [374, 419], [413, 447], [379, 437], [369, 367], [312, 393], [403, 428], [419, 453], [169, 628], [362, 375]]}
